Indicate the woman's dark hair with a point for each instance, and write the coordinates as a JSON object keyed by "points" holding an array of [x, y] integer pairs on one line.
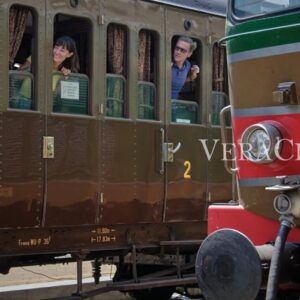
{"points": [[71, 63]]}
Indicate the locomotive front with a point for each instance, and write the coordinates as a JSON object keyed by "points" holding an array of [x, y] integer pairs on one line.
{"points": [[263, 48]]}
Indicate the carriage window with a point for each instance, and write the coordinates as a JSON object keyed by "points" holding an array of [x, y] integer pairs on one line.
{"points": [[71, 64], [185, 87], [147, 75], [116, 70], [219, 83], [21, 57], [250, 8]]}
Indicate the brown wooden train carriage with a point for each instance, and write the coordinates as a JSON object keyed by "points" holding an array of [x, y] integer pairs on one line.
{"points": [[91, 171]]}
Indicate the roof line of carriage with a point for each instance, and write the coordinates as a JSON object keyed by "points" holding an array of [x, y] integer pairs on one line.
{"points": [[214, 7]]}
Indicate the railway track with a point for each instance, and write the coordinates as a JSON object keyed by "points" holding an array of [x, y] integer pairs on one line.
{"points": [[51, 281]]}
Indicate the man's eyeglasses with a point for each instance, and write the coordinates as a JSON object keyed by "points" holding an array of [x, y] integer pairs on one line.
{"points": [[182, 50]]}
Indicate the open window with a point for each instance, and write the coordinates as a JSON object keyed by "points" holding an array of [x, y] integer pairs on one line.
{"points": [[71, 93], [22, 38], [147, 75], [116, 72], [186, 101], [219, 83]]}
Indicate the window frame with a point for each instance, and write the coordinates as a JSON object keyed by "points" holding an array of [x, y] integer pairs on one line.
{"points": [[125, 74], [88, 49], [197, 93], [155, 82], [34, 54]]}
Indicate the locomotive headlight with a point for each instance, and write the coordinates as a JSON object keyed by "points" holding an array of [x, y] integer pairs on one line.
{"points": [[260, 143]]}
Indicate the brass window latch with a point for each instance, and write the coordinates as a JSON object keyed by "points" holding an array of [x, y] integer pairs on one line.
{"points": [[48, 146]]}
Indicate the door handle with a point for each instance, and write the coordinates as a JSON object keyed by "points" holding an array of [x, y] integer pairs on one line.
{"points": [[223, 112], [162, 161], [169, 150], [176, 148]]}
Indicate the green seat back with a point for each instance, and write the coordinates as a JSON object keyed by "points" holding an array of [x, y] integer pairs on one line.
{"points": [[70, 94], [20, 90], [115, 90], [219, 100], [146, 100], [184, 111]]}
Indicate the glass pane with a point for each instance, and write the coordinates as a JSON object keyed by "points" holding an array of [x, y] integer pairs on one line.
{"points": [[20, 90], [249, 8], [115, 85], [184, 111], [219, 100], [70, 95], [21, 57], [146, 100]]}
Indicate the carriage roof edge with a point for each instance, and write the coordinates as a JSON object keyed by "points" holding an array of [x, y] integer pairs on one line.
{"points": [[215, 7]]}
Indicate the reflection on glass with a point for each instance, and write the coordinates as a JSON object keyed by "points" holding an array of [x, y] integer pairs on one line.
{"points": [[250, 8]]}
